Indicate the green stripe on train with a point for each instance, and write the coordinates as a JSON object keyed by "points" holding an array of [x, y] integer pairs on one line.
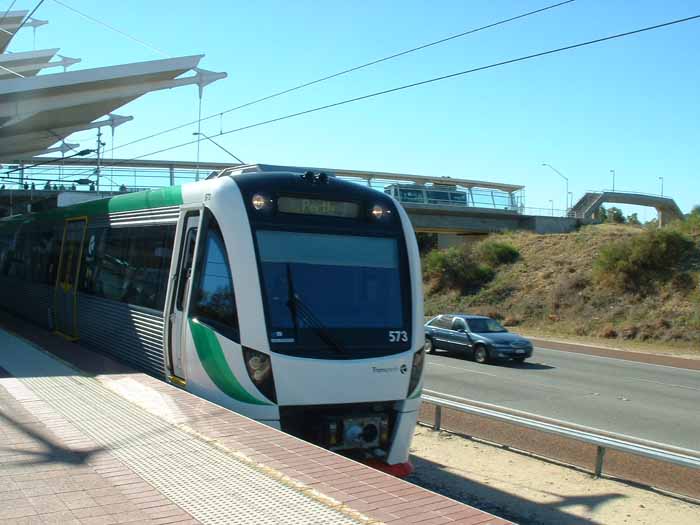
{"points": [[171, 196], [212, 358]]}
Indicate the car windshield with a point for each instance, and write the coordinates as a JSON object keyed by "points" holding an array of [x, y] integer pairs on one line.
{"points": [[344, 281], [485, 326]]}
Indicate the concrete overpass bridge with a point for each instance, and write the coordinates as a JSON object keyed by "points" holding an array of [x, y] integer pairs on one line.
{"points": [[455, 209], [588, 206], [457, 225]]}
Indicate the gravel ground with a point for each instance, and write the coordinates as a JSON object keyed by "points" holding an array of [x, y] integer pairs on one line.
{"points": [[533, 491]]}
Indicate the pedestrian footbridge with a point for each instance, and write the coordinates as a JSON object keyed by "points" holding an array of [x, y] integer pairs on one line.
{"points": [[587, 207]]}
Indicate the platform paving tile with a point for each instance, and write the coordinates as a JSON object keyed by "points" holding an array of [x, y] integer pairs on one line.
{"points": [[46, 482], [361, 489], [27, 520]]}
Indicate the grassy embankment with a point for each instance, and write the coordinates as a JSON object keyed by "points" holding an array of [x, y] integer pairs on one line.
{"points": [[608, 282]]}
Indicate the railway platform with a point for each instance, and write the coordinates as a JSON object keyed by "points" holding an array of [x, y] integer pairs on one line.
{"points": [[84, 439]]}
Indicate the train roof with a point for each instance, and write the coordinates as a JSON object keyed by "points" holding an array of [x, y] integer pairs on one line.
{"points": [[375, 175]]}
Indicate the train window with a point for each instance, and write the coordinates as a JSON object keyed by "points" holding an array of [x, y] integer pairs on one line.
{"points": [[45, 253], [436, 197], [129, 265], [213, 300], [18, 266], [110, 262], [4, 253], [87, 282], [458, 197], [412, 196], [188, 254], [149, 256]]}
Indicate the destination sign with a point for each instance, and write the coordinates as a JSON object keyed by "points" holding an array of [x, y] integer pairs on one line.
{"points": [[301, 206]]}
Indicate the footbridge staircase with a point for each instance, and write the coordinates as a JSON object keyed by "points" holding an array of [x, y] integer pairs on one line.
{"points": [[587, 207]]}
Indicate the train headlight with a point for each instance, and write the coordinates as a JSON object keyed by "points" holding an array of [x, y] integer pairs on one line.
{"points": [[379, 212], [416, 371], [259, 201], [259, 369]]}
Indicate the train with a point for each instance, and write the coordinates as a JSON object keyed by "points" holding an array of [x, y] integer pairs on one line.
{"points": [[293, 298]]}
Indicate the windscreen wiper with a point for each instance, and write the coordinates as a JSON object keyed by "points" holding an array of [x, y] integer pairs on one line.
{"points": [[316, 325], [299, 309], [291, 304]]}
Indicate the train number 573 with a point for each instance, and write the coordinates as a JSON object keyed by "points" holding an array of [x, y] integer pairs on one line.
{"points": [[398, 336]]}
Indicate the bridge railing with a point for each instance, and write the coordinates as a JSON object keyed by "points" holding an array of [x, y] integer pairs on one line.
{"points": [[630, 193], [111, 179], [545, 212], [444, 196], [116, 178]]}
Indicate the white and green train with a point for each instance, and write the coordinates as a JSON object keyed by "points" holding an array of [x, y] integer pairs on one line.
{"points": [[292, 298]]}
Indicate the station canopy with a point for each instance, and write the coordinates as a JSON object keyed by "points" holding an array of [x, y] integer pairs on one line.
{"points": [[29, 63], [11, 21], [38, 111]]}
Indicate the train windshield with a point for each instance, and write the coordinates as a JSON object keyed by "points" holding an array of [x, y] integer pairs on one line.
{"points": [[336, 293]]}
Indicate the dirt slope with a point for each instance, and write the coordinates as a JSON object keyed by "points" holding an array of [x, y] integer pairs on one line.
{"points": [[551, 289]]}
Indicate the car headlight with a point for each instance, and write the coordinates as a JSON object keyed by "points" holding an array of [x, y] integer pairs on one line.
{"points": [[259, 369], [416, 371]]}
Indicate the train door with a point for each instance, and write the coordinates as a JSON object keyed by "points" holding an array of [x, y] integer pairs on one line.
{"points": [[65, 292], [181, 284]]}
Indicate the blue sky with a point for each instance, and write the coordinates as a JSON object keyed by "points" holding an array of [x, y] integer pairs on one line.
{"points": [[630, 105]]}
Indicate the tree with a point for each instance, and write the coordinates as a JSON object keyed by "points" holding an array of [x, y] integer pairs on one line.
{"points": [[426, 242], [616, 216], [633, 219], [695, 211], [603, 214]]}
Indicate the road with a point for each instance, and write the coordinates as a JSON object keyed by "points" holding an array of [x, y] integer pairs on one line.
{"points": [[651, 402]]}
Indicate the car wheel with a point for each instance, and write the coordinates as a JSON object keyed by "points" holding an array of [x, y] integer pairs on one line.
{"points": [[481, 355], [429, 347]]}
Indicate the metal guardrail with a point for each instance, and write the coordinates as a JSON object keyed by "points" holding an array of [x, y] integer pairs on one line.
{"points": [[601, 439]]}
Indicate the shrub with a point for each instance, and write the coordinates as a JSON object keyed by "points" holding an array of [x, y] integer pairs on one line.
{"points": [[683, 283], [496, 253], [634, 264], [567, 289], [455, 268], [690, 225], [608, 332], [512, 320]]}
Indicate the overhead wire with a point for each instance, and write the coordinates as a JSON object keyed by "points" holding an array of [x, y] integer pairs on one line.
{"points": [[112, 28], [26, 19], [11, 71], [30, 15], [9, 33], [220, 114], [7, 11], [116, 30], [430, 81]]}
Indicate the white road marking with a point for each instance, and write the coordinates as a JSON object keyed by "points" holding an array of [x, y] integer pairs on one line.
{"points": [[463, 369], [662, 383], [619, 358]]}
